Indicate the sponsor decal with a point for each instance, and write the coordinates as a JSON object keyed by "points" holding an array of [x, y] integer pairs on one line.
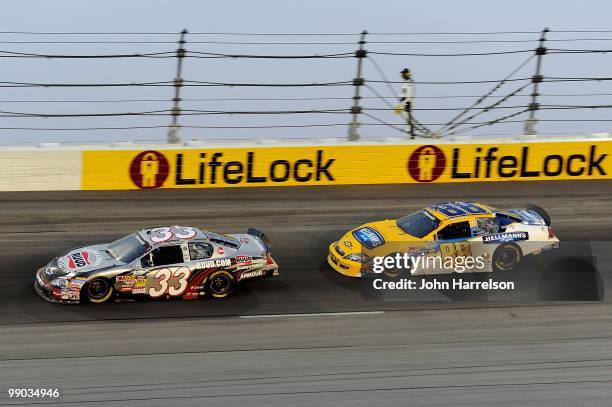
{"points": [[194, 168], [251, 274], [40, 280], [348, 244], [489, 163], [149, 169], [74, 295], [127, 282], [247, 266], [244, 259], [506, 237], [345, 165], [209, 264], [426, 163], [369, 237], [212, 169], [140, 286], [77, 283], [244, 240], [78, 260], [220, 250]]}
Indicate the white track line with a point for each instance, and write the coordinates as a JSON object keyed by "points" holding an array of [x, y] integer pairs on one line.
{"points": [[317, 314]]}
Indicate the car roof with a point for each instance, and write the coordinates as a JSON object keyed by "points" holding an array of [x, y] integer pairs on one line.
{"points": [[146, 235], [441, 210]]}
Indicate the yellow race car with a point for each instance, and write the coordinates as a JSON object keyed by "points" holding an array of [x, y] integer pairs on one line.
{"points": [[498, 238]]}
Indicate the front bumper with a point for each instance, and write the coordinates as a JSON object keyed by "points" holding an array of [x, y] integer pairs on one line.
{"points": [[271, 265], [341, 265], [49, 293]]}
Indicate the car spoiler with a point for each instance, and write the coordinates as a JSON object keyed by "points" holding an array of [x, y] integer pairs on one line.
{"points": [[529, 217], [261, 236]]}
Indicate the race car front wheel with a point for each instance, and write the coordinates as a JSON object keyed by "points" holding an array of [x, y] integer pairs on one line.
{"points": [[98, 290], [221, 284], [507, 257]]}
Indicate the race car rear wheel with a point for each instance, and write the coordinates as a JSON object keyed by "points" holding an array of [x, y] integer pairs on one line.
{"points": [[221, 284], [507, 257], [98, 290]]}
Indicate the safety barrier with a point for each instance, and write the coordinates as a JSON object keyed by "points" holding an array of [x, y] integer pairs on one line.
{"points": [[40, 169], [342, 164]]}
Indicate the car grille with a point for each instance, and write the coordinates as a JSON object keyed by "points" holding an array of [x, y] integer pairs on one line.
{"points": [[47, 292], [334, 259]]}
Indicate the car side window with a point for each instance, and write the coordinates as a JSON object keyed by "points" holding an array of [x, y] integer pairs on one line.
{"points": [[163, 255], [198, 251], [487, 226], [457, 230]]}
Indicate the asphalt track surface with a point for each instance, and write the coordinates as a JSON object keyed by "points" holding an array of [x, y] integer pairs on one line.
{"points": [[330, 345]]}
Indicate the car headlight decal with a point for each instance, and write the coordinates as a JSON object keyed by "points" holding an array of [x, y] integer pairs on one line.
{"points": [[360, 257], [59, 283]]}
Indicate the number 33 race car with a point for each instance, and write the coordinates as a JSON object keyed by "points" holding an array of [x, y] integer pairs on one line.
{"points": [[498, 239], [161, 263]]}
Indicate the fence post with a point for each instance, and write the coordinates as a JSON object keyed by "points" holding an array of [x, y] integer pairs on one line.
{"points": [[536, 79], [173, 137], [361, 53]]}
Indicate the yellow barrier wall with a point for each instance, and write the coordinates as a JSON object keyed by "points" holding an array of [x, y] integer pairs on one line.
{"points": [[345, 164]]}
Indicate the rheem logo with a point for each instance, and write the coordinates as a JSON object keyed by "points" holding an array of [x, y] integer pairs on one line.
{"points": [[149, 169], [426, 163]]}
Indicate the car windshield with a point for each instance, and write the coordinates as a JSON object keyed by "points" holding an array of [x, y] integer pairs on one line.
{"points": [[128, 248], [418, 224]]}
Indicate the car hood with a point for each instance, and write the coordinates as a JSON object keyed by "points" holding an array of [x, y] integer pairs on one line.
{"points": [[85, 259]]}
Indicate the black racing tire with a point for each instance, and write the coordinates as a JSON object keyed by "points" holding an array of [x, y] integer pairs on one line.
{"points": [[507, 257], [540, 211], [98, 291], [220, 284]]}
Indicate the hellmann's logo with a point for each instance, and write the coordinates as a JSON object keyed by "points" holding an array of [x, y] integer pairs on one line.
{"points": [[490, 163]]}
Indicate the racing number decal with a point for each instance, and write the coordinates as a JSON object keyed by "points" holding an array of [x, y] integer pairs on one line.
{"points": [[162, 234], [182, 275], [456, 249], [470, 207], [162, 282], [184, 233], [459, 209]]}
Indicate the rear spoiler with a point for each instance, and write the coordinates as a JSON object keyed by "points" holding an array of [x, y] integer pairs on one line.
{"points": [[261, 235], [530, 217]]}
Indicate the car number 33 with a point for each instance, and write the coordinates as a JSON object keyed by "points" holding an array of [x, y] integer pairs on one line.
{"points": [[162, 234], [169, 281]]}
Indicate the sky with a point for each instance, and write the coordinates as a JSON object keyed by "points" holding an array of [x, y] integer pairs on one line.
{"points": [[437, 103]]}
